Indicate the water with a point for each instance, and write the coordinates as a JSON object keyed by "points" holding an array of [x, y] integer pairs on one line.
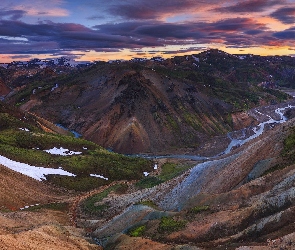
{"points": [[237, 138], [203, 173], [185, 157], [76, 134], [257, 130]]}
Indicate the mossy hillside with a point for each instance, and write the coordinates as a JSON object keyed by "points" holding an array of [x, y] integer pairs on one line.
{"points": [[288, 153], [25, 143], [8, 121], [94, 205], [136, 231], [169, 225], [289, 147], [169, 170]]}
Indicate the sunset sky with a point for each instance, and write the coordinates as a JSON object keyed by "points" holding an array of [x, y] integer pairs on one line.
{"points": [[113, 29]]}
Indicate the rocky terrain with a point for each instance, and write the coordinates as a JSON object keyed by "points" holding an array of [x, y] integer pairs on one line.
{"points": [[155, 106], [218, 141], [245, 198]]}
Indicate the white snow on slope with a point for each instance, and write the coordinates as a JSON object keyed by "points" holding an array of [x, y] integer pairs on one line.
{"points": [[99, 176], [61, 151], [24, 129], [37, 173]]}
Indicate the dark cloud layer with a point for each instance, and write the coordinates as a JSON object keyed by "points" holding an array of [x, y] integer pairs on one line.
{"points": [[69, 36], [286, 34], [248, 6], [11, 14], [153, 9], [285, 15], [140, 24]]}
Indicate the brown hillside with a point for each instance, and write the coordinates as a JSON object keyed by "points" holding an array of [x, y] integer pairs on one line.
{"points": [[41, 229], [18, 190]]}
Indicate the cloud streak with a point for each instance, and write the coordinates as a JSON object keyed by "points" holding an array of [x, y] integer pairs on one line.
{"points": [[248, 6], [285, 15]]}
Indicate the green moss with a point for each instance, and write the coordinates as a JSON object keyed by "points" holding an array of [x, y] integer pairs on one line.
{"points": [[172, 124], [199, 209], [169, 225], [148, 203], [288, 151], [192, 120], [28, 147], [137, 231], [148, 182], [92, 204], [169, 171], [78, 183]]}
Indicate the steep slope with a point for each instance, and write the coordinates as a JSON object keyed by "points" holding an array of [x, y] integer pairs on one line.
{"points": [[18, 191], [152, 106], [245, 198]]}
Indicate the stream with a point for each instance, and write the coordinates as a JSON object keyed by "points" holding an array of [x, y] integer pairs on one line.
{"points": [[202, 172], [268, 117], [175, 195]]}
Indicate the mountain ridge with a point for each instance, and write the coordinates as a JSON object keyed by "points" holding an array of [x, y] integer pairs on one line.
{"points": [[174, 103]]}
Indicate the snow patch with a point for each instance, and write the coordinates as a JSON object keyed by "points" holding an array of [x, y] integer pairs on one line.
{"points": [[24, 129], [99, 176], [61, 151], [196, 58], [37, 173]]}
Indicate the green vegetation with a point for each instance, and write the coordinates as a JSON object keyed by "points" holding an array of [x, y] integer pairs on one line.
{"points": [[173, 124], [77, 183], [288, 153], [169, 225], [289, 147], [148, 182], [169, 171], [8, 122], [199, 209], [24, 142], [137, 231], [148, 203], [93, 205]]}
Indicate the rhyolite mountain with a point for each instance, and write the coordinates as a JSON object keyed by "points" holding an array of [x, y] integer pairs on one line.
{"points": [[240, 200], [154, 106]]}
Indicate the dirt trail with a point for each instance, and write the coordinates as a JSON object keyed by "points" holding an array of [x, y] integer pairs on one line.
{"points": [[74, 211]]}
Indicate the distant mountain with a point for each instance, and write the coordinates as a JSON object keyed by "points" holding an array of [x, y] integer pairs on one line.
{"points": [[155, 105]]}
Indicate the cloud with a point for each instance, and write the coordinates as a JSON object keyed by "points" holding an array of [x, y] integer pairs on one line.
{"points": [[285, 15], [288, 34], [155, 9], [248, 6], [52, 8], [12, 14], [188, 50], [49, 37]]}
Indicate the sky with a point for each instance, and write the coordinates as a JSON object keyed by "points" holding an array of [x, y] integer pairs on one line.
{"points": [[88, 30]]}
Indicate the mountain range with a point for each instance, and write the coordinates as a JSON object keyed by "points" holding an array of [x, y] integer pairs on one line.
{"points": [[153, 106], [192, 152]]}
